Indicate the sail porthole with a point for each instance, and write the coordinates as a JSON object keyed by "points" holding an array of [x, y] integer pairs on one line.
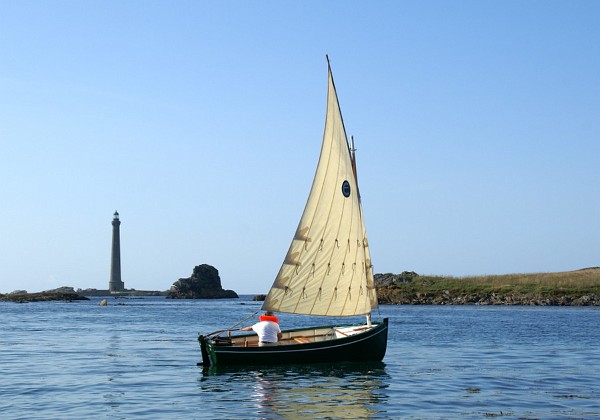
{"points": [[346, 189]]}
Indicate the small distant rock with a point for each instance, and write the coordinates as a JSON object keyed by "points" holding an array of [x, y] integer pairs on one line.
{"points": [[18, 292], [259, 298], [390, 279], [63, 289]]}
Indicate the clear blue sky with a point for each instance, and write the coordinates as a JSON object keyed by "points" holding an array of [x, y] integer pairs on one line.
{"points": [[477, 126]]}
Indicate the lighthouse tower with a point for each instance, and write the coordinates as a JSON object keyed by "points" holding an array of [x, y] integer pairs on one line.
{"points": [[115, 284]]}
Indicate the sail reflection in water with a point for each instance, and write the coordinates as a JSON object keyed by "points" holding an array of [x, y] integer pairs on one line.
{"points": [[314, 391]]}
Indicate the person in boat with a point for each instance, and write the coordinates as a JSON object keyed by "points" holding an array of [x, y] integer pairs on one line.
{"points": [[267, 329]]}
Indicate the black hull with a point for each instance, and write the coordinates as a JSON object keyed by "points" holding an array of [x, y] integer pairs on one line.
{"points": [[368, 346]]}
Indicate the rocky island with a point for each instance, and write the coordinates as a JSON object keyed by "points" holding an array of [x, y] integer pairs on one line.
{"points": [[66, 294], [570, 288], [204, 283]]}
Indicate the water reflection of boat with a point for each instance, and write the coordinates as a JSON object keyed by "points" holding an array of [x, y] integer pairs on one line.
{"points": [[351, 390]]}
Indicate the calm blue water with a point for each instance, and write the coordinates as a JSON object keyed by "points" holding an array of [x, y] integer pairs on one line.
{"points": [[137, 358]]}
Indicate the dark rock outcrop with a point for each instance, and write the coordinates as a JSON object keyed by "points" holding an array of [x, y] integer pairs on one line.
{"points": [[390, 279], [204, 283]]}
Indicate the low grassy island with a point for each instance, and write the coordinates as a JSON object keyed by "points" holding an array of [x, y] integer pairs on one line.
{"points": [[570, 288], [66, 294]]}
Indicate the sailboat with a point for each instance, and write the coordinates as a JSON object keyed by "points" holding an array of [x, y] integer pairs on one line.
{"points": [[327, 271]]}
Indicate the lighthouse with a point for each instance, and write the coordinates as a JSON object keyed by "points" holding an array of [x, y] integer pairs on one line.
{"points": [[115, 284]]}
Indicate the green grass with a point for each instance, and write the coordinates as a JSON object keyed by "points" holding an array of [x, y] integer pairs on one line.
{"points": [[571, 283]]}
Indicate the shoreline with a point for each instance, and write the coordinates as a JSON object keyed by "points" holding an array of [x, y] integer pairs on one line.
{"points": [[493, 299], [571, 288], [67, 294], [399, 298]]}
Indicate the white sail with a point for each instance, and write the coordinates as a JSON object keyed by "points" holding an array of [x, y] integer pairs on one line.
{"points": [[327, 270]]}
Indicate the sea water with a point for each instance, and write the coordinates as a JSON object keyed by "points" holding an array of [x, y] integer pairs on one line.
{"points": [[137, 358]]}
